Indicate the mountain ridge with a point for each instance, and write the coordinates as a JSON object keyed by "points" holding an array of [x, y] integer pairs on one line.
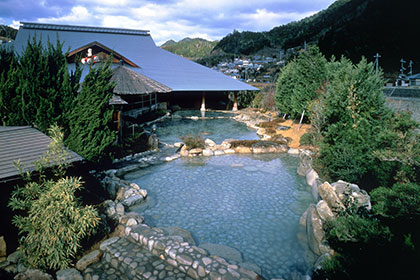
{"points": [[192, 48], [353, 28]]}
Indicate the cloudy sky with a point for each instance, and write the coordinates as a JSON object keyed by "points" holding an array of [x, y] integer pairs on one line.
{"points": [[166, 19]]}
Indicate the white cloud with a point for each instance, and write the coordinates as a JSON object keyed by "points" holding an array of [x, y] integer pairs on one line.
{"points": [[262, 19], [78, 15], [177, 19]]}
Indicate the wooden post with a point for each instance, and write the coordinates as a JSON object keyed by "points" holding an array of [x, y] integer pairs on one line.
{"points": [[203, 102], [301, 119], [235, 101]]}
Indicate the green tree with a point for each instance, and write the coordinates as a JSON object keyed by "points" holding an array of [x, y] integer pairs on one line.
{"points": [[299, 82], [355, 113], [37, 88], [9, 100], [91, 118], [53, 222]]}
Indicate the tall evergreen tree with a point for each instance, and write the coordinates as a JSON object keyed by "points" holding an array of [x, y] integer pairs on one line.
{"points": [[355, 114], [36, 88], [299, 82], [9, 101], [91, 117]]}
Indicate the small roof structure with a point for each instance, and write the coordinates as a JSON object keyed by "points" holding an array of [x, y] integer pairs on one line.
{"points": [[26, 144], [129, 82]]}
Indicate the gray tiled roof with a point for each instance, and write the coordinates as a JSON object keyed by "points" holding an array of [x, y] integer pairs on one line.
{"points": [[26, 144], [128, 81], [169, 69]]}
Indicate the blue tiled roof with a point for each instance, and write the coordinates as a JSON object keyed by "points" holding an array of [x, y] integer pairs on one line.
{"points": [[169, 69]]}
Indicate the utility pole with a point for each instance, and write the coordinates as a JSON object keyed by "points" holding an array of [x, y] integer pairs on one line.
{"points": [[402, 66], [410, 65], [377, 56]]}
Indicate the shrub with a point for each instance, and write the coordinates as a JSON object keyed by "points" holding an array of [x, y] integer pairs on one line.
{"points": [[383, 243], [53, 221], [310, 138], [362, 245], [194, 141], [245, 98]]}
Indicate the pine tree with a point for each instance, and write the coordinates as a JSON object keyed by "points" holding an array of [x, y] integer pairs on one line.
{"points": [[37, 89], [9, 100], [91, 118], [355, 114], [299, 82]]}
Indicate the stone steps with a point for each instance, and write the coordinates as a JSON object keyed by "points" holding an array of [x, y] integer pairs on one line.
{"points": [[124, 259]]}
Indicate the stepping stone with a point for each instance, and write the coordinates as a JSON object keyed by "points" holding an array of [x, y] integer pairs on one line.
{"points": [[177, 231], [226, 252]]}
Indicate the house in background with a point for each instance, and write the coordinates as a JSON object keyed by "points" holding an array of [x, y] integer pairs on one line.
{"points": [[191, 85], [414, 80]]}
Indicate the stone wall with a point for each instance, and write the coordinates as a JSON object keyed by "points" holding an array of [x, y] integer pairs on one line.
{"points": [[332, 199]]}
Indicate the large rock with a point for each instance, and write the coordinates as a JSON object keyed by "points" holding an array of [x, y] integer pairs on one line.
{"points": [[311, 176], [208, 152], [119, 208], [133, 216], [243, 150], [69, 274], [132, 200], [209, 143], [314, 229], [328, 194], [184, 151], [352, 192], [14, 257], [196, 151], [305, 162], [86, 260], [268, 147], [3, 248], [324, 211]]}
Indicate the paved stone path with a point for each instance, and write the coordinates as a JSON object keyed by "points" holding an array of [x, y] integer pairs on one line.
{"points": [[125, 259]]}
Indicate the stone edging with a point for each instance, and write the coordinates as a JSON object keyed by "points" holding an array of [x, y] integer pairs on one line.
{"points": [[189, 259], [225, 148], [331, 201]]}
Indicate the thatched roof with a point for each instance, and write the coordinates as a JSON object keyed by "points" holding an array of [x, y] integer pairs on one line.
{"points": [[131, 82]]}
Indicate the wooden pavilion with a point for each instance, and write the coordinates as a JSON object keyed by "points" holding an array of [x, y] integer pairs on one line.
{"points": [[134, 94]]}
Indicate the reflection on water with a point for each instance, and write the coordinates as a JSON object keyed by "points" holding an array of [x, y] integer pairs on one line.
{"points": [[251, 203], [217, 130]]}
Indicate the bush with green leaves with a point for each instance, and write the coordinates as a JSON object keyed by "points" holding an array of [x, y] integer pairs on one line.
{"points": [[383, 243], [90, 121], [245, 98], [53, 221], [194, 141]]}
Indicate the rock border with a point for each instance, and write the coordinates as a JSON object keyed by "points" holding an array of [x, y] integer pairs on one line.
{"points": [[331, 200]]}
